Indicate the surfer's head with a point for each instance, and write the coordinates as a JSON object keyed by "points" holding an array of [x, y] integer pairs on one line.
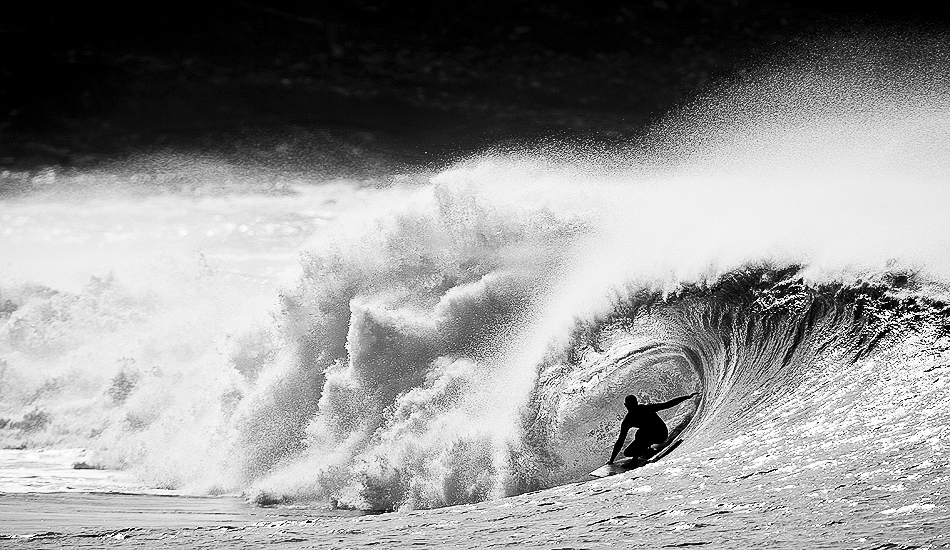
{"points": [[630, 401]]}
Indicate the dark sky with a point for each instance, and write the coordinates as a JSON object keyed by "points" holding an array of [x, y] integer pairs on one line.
{"points": [[79, 84]]}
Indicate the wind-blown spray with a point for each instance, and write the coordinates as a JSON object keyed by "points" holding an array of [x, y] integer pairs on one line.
{"points": [[474, 336]]}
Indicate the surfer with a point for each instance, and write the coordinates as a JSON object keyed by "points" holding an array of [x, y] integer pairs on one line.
{"points": [[650, 427]]}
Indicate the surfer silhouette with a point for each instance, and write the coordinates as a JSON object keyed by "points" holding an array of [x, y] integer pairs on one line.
{"points": [[651, 430]]}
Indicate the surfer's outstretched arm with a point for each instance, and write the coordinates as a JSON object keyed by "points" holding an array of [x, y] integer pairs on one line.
{"points": [[671, 402], [624, 428]]}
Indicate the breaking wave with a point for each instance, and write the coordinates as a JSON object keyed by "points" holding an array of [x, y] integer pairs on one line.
{"points": [[473, 337]]}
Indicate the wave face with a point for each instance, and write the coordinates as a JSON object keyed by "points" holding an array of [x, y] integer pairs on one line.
{"points": [[781, 248]]}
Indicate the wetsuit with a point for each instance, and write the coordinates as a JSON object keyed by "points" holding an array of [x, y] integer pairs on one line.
{"points": [[650, 427]]}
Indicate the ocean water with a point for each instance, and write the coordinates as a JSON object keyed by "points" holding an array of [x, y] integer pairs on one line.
{"points": [[781, 247]]}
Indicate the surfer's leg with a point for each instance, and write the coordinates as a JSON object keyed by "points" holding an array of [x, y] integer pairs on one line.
{"points": [[632, 450], [637, 448], [642, 442]]}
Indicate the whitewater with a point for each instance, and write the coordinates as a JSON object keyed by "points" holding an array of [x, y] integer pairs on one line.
{"points": [[453, 346]]}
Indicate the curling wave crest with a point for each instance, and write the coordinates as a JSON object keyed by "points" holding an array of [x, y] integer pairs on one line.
{"points": [[473, 337]]}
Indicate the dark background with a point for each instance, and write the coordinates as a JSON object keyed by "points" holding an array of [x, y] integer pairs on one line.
{"points": [[349, 87]]}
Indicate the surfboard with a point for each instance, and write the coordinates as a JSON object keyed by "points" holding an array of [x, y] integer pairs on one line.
{"points": [[628, 464]]}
